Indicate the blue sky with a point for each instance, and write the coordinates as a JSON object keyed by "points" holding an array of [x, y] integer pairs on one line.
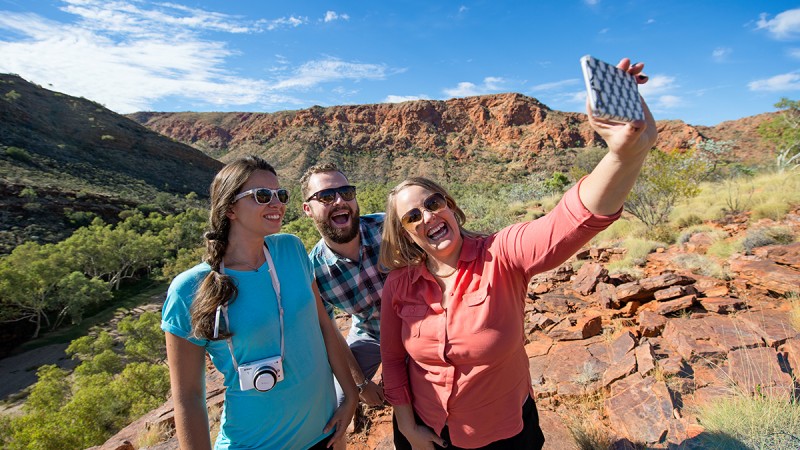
{"points": [[708, 61]]}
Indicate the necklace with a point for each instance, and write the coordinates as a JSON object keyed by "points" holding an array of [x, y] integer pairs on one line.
{"points": [[242, 263], [440, 276]]}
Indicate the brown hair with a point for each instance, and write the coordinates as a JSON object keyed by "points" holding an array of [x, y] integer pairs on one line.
{"points": [[217, 288], [397, 249], [317, 168]]}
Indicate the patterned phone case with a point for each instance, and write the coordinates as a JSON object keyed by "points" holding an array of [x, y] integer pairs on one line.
{"points": [[613, 93]]}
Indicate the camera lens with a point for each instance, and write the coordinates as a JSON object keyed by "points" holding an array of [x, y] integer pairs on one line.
{"points": [[265, 379]]}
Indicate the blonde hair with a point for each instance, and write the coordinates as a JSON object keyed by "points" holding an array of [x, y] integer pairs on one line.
{"points": [[397, 249], [217, 288]]}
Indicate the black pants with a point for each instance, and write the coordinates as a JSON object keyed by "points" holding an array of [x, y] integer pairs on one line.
{"points": [[321, 445], [530, 438]]}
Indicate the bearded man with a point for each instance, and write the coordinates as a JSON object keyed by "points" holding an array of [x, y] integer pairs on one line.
{"points": [[346, 267]]}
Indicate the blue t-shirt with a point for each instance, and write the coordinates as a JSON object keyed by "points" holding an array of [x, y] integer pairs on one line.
{"points": [[292, 414]]}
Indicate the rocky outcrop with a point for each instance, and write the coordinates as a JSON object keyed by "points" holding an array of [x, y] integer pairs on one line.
{"points": [[502, 135]]}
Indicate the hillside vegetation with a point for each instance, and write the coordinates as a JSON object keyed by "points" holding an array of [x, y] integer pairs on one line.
{"points": [[65, 160]]}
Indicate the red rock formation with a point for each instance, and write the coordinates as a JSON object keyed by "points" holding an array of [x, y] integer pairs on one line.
{"points": [[505, 135]]}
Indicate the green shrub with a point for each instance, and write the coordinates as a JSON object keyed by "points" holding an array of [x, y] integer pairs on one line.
{"points": [[772, 210], [636, 253], [586, 160], [691, 231], [766, 236], [661, 233], [19, 154], [28, 193], [621, 229], [688, 221], [724, 249], [758, 422], [665, 180], [12, 96], [701, 265]]}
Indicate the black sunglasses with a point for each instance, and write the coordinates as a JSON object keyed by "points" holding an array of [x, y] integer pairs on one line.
{"points": [[262, 196], [433, 203], [328, 196]]}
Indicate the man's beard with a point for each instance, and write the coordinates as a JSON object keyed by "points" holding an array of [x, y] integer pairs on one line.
{"points": [[340, 235]]}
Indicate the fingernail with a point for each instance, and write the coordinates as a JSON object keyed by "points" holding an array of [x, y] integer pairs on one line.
{"points": [[445, 444]]}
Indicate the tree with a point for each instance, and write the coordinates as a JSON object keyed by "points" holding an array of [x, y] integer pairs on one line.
{"points": [[143, 338], [75, 292], [665, 179], [113, 254], [784, 132], [29, 280]]}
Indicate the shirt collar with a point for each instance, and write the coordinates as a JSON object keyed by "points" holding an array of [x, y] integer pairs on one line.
{"points": [[469, 252], [368, 239]]}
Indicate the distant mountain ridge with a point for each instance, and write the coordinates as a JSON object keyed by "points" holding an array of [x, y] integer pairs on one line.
{"points": [[502, 137]]}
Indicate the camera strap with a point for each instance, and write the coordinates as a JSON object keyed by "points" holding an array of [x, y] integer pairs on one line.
{"points": [[223, 309]]}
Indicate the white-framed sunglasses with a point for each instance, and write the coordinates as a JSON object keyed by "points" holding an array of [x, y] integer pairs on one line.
{"points": [[263, 196]]}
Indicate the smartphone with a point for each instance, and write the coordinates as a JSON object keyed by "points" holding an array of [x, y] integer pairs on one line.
{"points": [[613, 93]]}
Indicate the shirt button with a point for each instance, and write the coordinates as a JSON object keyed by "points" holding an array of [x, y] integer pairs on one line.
{"points": [[451, 294]]}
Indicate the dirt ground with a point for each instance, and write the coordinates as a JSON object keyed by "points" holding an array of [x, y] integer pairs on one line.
{"points": [[19, 371]]}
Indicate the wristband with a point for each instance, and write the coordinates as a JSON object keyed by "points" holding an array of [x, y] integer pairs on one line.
{"points": [[362, 385]]}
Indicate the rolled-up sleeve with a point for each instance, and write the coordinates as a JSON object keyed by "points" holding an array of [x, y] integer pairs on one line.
{"points": [[393, 353], [545, 243]]}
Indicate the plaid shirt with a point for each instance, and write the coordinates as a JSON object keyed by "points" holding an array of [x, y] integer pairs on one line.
{"points": [[353, 286]]}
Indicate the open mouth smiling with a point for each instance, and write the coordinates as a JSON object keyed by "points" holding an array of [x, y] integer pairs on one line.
{"points": [[340, 217], [437, 232]]}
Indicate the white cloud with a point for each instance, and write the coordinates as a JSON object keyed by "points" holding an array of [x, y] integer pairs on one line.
{"points": [[556, 85], [794, 53], [281, 22], [657, 85], [128, 58], [126, 17], [650, 21], [404, 98], [313, 73], [668, 102], [591, 2], [721, 54], [330, 16], [784, 82], [490, 85], [785, 25]]}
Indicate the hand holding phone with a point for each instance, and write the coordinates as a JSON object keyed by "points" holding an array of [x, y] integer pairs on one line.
{"points": [[613, 93]]}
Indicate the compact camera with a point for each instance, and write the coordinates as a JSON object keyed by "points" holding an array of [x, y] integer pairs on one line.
{"points": [[261, 375]]}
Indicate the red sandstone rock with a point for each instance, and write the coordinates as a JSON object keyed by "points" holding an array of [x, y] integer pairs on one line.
{"points": [[673, 292], [768, 275], [645, 359], [721, 305], [679, 304], [587, 278], [787, 255], [772, 326], [757, 370], [650, 323], [791, 350], [640, 409], [716, 291]]}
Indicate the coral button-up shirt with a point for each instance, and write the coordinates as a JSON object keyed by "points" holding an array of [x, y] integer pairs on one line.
{"points": [[465, 366]]}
